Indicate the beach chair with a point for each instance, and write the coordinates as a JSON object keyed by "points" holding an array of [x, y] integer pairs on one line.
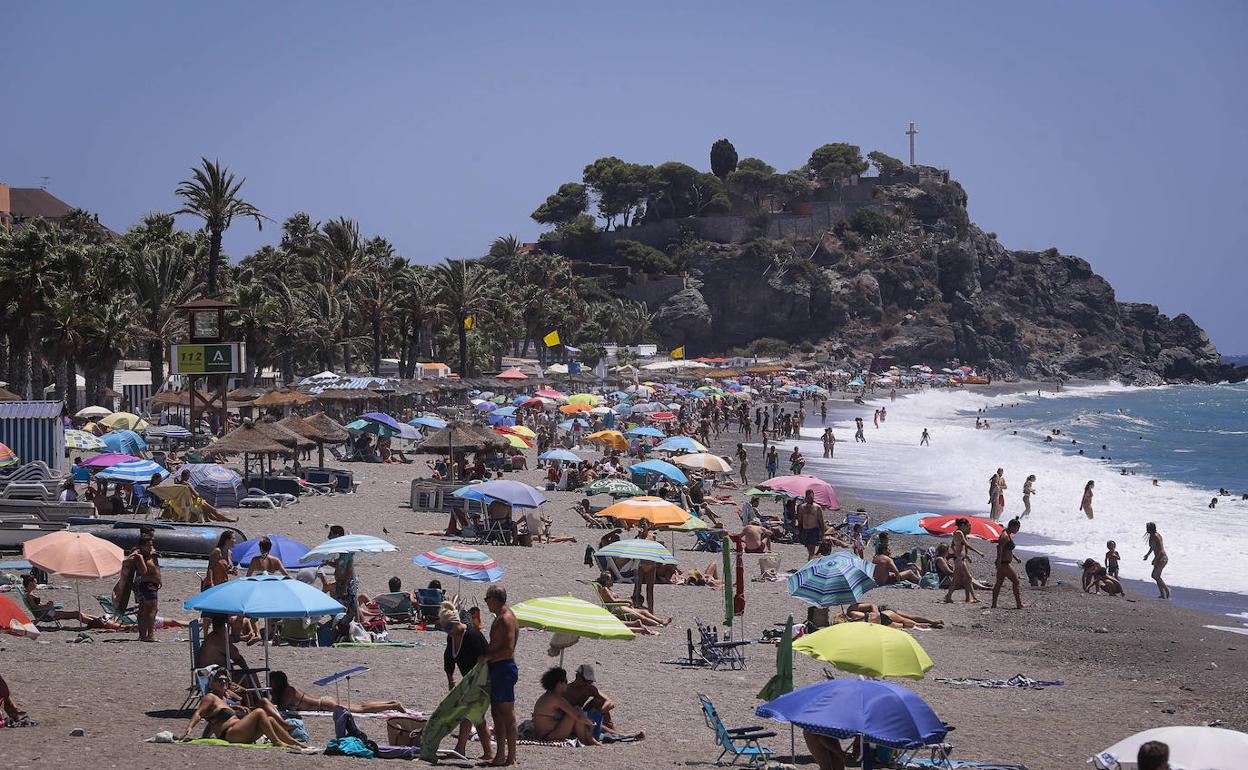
{"points": [[592, 521], [46, 616], [397, 607], [298, 632], [201, 674], [607, 564], [740, 742], [128, 617], [717, 651], [429, 601]]}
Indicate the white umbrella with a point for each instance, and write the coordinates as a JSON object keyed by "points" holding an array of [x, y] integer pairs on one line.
{"points": [[1191, 748], [93, 411]]}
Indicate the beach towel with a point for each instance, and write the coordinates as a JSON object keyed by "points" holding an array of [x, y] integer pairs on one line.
{"points": [[1016, 681], [389, 644], [469, 699], [359, 715]]}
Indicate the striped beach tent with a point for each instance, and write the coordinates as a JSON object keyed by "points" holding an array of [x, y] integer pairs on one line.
{"points": [[132, 472], [34, 431]]}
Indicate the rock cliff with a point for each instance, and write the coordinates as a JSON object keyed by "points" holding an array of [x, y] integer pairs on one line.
{"points": [[913, 278]]}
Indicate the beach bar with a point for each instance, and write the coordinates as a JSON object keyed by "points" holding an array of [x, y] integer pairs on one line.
{"points": [[34, 431]]}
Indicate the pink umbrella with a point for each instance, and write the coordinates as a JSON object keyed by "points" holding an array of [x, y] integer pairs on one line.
{"points": [[796, 486], [550, 393], [512, 373], [74, 554], [108, 460]]}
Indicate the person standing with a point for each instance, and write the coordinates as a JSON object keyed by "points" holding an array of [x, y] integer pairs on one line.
{"points": [[147, 569], [823, 411], [827, 442], [773, 462], [464, 647], [875, 419], [1005, 564], [743, 461], [346, 587], [1157, 549], [500, 656], [996, 494], [859, 438], [810, 524], [1029, 489], [1085, 505], [925, 439], [962, 549]]}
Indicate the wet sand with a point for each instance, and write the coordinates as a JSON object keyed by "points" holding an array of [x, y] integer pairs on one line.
{"points": [[1127, 664]]}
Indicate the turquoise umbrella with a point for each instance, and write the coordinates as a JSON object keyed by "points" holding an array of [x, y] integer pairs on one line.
{"points": [[841, 578]]}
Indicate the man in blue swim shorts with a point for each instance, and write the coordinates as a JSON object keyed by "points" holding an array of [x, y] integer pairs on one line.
{"points": [[500, 659]]}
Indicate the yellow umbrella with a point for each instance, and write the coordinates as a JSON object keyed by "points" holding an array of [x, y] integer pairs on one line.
{"points": [[869, 649], [655, 510], [123, 420], [584, 398], [520, 430], [705, 461], [516, 441], [610, 438]]}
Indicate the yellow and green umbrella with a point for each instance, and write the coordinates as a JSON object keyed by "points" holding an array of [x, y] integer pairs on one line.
{"points": [[869, 649], [584, 398], [570, 615], [123, 420]]}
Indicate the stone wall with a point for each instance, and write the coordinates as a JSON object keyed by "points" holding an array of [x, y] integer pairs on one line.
{"points": [[653, 290]]}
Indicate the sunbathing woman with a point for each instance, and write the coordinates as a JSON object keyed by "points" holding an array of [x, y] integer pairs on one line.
{"points": [[288, 698], [639, 615], [225, 723], [869, 613], [554, 718]]}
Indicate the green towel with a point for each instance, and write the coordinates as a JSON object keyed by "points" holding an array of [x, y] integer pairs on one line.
{"points": [[469, 700], [782, 682], [219, 742]]}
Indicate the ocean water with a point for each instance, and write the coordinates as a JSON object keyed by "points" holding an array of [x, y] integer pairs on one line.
{"points": [[1190, 439]]}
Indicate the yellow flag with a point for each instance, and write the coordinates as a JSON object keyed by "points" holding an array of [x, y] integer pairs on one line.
{"points": [[468, 322], [679, 352], [551, 339]]}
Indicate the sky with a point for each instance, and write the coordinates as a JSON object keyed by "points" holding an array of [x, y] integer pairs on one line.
{"points": [[1113, 130]]}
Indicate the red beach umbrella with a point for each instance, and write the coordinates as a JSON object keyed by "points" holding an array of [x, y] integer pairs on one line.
{"points": [[984, 529]]}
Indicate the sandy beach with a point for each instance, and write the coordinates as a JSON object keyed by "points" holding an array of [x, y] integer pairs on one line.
{"points": [[1127, 664]]}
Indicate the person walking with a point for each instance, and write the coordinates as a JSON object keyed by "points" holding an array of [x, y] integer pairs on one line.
{"points": [[1157, 549], [1005, 564], [1029, 489], [925, 439], [464, 647]]}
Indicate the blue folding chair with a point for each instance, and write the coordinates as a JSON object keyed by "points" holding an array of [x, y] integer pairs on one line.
{"points": [[740, 742]]}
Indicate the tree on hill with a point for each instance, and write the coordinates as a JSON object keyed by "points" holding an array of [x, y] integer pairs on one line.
{"points": [[836, 161], [641, 257], [884, 164], [752, 180], [723, 158], [671, 193], [565, 205], [710, 196], [621, 188]]}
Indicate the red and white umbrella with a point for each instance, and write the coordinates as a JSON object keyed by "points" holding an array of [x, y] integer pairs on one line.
{"points": [[984, 529], [14, 621]]}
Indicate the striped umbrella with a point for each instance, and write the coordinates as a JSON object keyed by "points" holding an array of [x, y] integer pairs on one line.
{"points": [[655, 510], [167, 431], [219, 485], [133, 472], [841, 578], [462, 562], [80, 439], [569, 615], [642, 550], [7, 457], [348, 544]]}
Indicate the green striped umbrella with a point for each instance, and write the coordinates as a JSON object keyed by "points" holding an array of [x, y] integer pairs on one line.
{"points": [[569, 615], [642, 550]]}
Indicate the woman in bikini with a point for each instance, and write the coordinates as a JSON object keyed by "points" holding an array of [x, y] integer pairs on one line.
{"points": [[1085, 505], [860, 612], [226, 723], [266, 562], [1005, 564], [961, 549], [554, 718], [1157, 549], [220, 566], [288, 698], [637, 618]]}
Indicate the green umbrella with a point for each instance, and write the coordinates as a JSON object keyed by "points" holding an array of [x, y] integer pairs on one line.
{"points": [[729, 609], [782, 682], [613, 487]]}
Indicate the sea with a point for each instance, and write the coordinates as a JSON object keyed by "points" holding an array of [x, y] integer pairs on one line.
{"points": [[1156, 454]]}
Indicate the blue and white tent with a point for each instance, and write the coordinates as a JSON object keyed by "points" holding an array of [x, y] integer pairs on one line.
{"points": [[34, 430]]}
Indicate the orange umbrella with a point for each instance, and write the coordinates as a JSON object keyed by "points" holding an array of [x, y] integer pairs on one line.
{"points": [[14, 621], [74, 554], [655, 510], [575, 408], [610, 438]]}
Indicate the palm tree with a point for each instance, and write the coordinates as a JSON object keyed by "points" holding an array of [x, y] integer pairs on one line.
{"points": [[379, 293], [463, 289], [339, 265], [212, 194], [30, 261], [109, 332], [162, 280], [418, 305]]}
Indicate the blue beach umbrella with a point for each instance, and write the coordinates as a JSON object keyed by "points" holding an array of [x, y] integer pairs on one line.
{"points": [[132, 472], [124, 441], [220, 486], [561, 455], [286, 550], [485, 406], [841, 578], [682, 444], [501, 420], [382, 418], [645, 431], [903, 525], [506, 411], [427, 422], [660, 468], [882, 712], [515, 493]]}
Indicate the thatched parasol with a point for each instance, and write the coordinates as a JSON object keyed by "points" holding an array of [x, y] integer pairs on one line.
{"points": [[461, 437], [343, 395], [283, 435], [319, 428], [328, 427], [282, 397], [8, 395], [245, 439]]}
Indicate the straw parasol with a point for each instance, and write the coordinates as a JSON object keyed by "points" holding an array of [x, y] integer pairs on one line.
{"points": [[283, 435], [246, 439], [323, 431], [282, 397], [461, 437], [8, 395]]}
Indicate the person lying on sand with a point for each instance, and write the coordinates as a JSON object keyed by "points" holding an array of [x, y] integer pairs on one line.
{"points": [[288, 698], [554, 718], [870, 613], [228, 725]]}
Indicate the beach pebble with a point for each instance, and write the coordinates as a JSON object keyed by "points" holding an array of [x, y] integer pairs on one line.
{"points": [[1101, 630], [1213, 665], [77, 732]]}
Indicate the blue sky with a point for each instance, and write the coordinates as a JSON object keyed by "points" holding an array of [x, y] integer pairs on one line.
{"points": [[1113, 130]]}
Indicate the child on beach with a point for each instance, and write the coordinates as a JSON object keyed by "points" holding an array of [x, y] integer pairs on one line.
{"points": [[1111, 558]]}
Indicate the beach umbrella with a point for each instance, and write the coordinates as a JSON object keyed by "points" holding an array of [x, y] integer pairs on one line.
{"points": [[384, 419], [122, 440], [882, 712], [108, 459], [655, 510], [523, 431], [660, 468], [984, 529], [661, 416], [368, 426], [218, 485], [265, 596], [645, 407], [512, 373], [80, 439], [738, 596], [571, 409], [584, 398], [93, 411], [869, 649], [601, 410], [1191, 748], [7, 457], [427, 422], [501, 420], [561, 455], [462, 562], [571, 616], [645, 431], [903, 525], [639, 390], [550, 393], [519, 442], [517, 494], [505, 411], [133, 472], [704, 461], [533, 403], [613, 487], [14, 621], [484, 406], [612, 439], [568, 424], [286, 550], [347, 544], [680, 444], [782, 682], [841, 578], [74, 555], [642, 550], [796, 486], [123, 421], [728, 578]]}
